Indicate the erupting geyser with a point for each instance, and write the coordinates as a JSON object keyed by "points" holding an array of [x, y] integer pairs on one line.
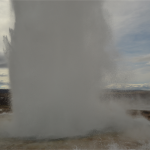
{"points": [[58, 60]]}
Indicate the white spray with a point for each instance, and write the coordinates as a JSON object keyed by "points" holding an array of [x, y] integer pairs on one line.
{"points": [[57, 66]]}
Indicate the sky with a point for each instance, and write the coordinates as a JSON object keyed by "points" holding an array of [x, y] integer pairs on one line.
{"points": [[129, 21], [130, 24], [5, 23]]}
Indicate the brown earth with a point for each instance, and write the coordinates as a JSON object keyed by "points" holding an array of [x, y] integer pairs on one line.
{"points": [[95, 142]]}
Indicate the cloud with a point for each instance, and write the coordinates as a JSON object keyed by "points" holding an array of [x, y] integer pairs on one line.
{"points": [[3, 82], [3, 75], [128, 16], [145, 86], [6, 20], [130, 23], [4, 71], [3, 60], [145, 58], [141, 74], [148, 63], [4, 78], [4, 87]]}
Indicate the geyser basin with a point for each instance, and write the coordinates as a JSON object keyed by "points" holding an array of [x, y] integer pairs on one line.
{"points": [[60, 55]]}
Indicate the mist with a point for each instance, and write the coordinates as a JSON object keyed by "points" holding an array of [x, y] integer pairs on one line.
{"points": [[62, 54]]}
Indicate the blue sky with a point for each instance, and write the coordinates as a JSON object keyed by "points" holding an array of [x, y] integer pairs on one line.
{"points": [[129, 21]]}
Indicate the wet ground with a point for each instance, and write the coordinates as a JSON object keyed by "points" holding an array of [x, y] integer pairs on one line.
{"points": [[105, 140], [101, 141]]}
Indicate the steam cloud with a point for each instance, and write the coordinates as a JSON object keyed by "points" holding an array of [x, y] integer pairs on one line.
{"points": [[60, 57]]}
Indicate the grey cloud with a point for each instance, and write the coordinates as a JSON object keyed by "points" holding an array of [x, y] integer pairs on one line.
{"points": [[130, 18], [3, 61], [3, 83], [130, 87], [148, 63], [3, 75], [145, 58], [4, 65]]}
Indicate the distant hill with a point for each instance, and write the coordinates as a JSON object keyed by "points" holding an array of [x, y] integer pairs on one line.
{"points": [[145, 86], [4, 90], [132, 97], [4, 97]]}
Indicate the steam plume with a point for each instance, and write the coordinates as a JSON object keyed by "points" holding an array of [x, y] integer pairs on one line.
{"points": [[57, 65]]}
